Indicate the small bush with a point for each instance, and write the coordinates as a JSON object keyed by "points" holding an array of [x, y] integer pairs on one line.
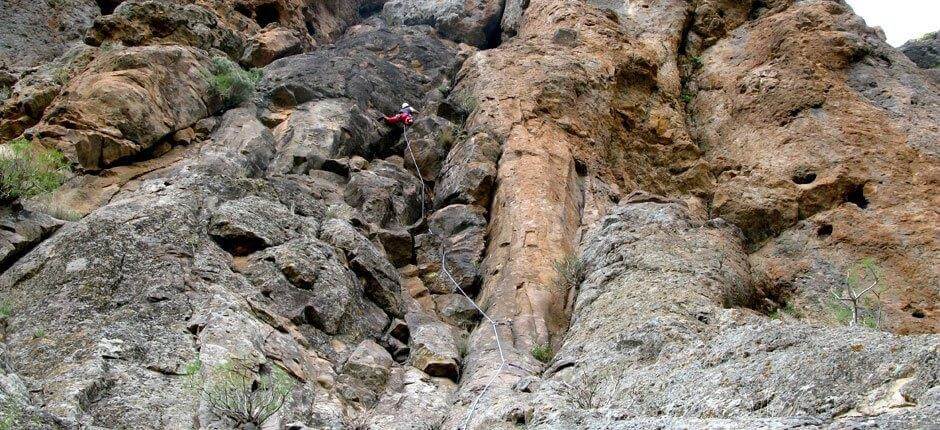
{"points": [[569, 273], [543, 353], [687, 96], [241, 391], [232, 83], [696, 61], [6, 309], [466, 102], [27, 170]]}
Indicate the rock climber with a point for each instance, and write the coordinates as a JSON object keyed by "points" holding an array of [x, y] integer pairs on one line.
{"points": [[405, 116]]}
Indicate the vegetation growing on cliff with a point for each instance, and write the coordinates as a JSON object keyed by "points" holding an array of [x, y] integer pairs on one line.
{"points": [[28, 169], [232, 83]]}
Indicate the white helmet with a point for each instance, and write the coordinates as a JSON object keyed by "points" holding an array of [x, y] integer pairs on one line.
{"points": [[405, 105]]}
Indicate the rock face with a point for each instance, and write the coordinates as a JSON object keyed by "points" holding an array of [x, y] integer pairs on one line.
{"points": [[925, 52], [606, 215]]}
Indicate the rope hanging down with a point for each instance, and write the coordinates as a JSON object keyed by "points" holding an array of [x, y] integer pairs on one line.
{"points": [[499, 346]]}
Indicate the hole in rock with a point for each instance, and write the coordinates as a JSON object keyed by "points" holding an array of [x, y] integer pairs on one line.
{"points": [[918, 313], [580, 167], [369, 9], [267, 14], [243, 9], [824, 230], [239, 246], [493, 34], [856, 196], [803, 178], [107, 6]]}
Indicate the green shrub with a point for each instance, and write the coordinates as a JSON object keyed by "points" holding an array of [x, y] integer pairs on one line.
{"points": [[232, 83], [543, 353], [569, 273], [6, 309], [241, 391], [28, 169], [687, 96]]}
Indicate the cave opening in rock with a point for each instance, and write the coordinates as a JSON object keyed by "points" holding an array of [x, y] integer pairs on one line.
{"points": [[267, 14], [824, 230], [493, 34], [918, 314], [243, 9], [803, 178], [856, 196]]}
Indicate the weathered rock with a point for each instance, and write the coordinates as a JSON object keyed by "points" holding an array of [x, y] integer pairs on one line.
{"points": [[469, 174], [476, 22], [456, 310], [252, 223], [370, 365], [386, 195], [411, 63], [463, 228], [38, 31], [382, 284], [411, 393], [319, 131], [925, 51], [653, 311], [431, 138], [21, 230], [433, 347], [152, 22], [398, 245], [271, 44], [32, 94], [126, 101]]}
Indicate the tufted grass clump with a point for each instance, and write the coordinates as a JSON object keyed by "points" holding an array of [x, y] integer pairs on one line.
{"points": [[232, 83], [28, 169], [569, 273], [241, 391], [543, 353]]}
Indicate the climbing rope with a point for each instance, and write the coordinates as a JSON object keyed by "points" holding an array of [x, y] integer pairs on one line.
{"points": [[493, 324]]}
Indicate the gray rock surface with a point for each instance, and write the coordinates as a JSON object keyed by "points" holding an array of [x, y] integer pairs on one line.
{"points": [[649, 338], [38, 31], [469, 173], [925, 51], [475, 22], [463, 228]]}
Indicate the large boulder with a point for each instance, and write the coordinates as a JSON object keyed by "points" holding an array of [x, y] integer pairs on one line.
{"points": [[475, 22], [322, 130], [245, 225], [21, 230], [152, 22], [433, 346], [431, 138], [126, 101]]}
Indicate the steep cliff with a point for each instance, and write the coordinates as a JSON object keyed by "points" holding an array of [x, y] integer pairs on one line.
{"points": [[606, 214]]}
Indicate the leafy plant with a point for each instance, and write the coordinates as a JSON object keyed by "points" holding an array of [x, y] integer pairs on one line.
{"points": [[696, 61], [687, 96], [39, 333], [543, 353], [6, 309], [569, 273], [27, 170], [242, 391], [232, 83], [859, 301]]}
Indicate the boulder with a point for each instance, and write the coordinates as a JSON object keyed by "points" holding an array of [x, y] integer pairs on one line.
{"points": [[376, 68], [433, 346], [319, 131], [475, 22], [126, 101], [369, 364], [431, 138], [469, 173], [457, 310], [271, 44], [21, 230], [386, 195], [398, 245], [246, 225], [153, 22]]}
